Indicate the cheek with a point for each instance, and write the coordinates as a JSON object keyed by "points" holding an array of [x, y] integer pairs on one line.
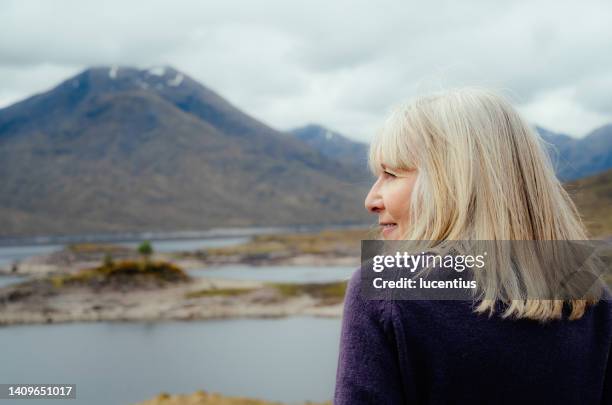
{"points": [[398, 203]]}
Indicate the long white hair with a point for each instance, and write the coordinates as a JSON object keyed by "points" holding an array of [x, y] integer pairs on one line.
{"points": [[483, 174]]}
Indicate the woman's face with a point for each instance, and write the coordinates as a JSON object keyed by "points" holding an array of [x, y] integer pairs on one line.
{"points": [[389, 197]]}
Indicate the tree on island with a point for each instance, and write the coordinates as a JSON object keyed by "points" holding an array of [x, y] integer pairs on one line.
{"points": [[146, 250], [108, 260]]}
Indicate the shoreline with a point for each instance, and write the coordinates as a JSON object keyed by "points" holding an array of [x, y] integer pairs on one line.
{"points": [[202, 397], [210, 299], [327, 312], [38, 319], [45, 265], [177, 235], [92, 282]]}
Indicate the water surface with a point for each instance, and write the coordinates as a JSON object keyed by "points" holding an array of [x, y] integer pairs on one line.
{"points": [[289, 359]]}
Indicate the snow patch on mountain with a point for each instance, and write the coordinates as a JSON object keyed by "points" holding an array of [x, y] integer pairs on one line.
{"points": [[176, 81], [157, 71], [112, 72]]}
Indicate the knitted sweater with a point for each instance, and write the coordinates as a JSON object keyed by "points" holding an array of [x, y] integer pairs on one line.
{"points": [[441, 352]]}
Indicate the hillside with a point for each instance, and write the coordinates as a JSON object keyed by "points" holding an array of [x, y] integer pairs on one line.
{"points": [[133, 150], [593, 195]]}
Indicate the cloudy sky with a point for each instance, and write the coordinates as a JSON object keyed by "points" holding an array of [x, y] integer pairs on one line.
{"points": [[343, 64]]}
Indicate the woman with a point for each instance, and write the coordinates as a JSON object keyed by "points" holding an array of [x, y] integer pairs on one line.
{"points": [[463, 165]]}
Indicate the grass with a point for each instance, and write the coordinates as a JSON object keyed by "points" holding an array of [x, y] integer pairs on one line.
{"points": [[88, 248], [206, 398], [212, 292], [593, 196], [128, 270], [345, 241], [328, 293]]}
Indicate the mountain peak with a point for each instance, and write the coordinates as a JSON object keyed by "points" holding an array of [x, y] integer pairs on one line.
{"points": [[87, 88], [316, 131], [117, 77], [152, 149]]}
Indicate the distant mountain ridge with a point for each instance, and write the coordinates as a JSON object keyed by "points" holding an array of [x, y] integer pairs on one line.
{"points": [[334, 145], [575, 158], [125, 149], [586, 159]]}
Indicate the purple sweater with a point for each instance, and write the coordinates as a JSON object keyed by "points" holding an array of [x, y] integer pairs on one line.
{"points": [[440, 352]]}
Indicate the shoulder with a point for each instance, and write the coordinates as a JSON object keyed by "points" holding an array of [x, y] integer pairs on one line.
{"points": [[359, 306], [602, 310], [389, 309]]}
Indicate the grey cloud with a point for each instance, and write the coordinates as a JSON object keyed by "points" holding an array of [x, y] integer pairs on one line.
{"points": [[596, 94], [343, 63]]}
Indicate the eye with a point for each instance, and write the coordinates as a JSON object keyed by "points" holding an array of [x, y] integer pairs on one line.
{"points": [[388, 174]]}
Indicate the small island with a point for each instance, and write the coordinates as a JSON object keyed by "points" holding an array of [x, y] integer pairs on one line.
{"points": [[89, 282]]}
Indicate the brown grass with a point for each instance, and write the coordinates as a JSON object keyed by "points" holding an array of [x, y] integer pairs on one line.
{"points": [[124, 270], [346, 241], [212, 292], [328, 293], [205, 398]]}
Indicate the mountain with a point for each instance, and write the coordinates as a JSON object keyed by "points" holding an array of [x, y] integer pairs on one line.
{"points": [[123, 149], [576, 158], [334, 145], [573, 158]]}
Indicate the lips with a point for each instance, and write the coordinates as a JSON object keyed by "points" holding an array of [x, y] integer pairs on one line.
{"points": [[387, 227]]}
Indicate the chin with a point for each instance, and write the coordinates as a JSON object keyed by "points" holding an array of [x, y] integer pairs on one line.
{"points": [[393, 235], [390, 236]]}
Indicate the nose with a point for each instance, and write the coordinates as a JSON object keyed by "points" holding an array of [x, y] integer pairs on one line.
{"points": [[374, 201]]}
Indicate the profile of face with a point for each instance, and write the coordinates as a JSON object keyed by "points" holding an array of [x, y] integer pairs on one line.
{"points": [[389, 198]]}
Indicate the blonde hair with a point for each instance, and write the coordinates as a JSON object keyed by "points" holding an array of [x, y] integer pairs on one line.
{"points": [[483, 174]]}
